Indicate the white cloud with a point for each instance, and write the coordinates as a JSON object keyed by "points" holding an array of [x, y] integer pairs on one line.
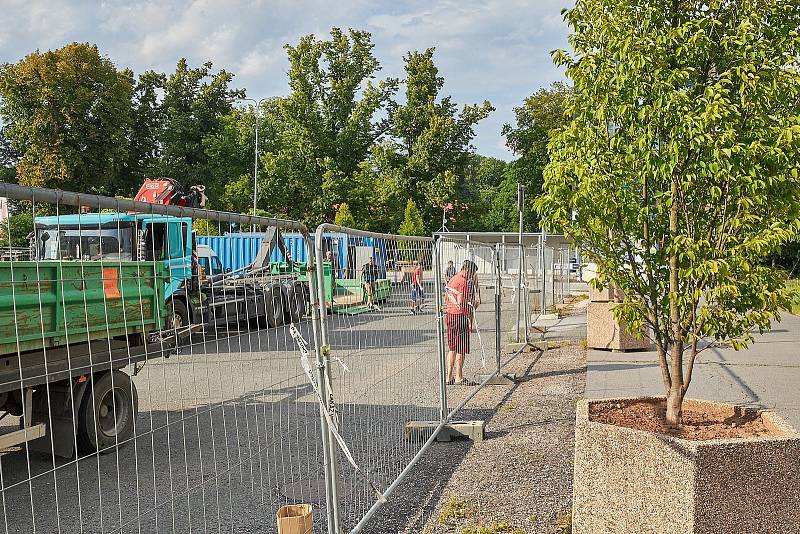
{"points": [[493, 49]]}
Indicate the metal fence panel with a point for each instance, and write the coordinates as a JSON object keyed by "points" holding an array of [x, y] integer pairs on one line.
{"points": [[383, 361], [143, 390]]}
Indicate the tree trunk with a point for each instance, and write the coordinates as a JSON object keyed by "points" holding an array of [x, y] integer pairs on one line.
{"points": [[675, 407], [675, 394]]}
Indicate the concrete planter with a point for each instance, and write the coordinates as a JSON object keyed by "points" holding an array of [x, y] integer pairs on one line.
{"points": [[603, 332], [633, 481]]}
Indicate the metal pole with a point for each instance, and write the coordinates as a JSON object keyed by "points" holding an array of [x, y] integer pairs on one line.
{"points": [[520, 207], [318, 322], [497, 306], [543, 262], [332, 471], [438, 290]]}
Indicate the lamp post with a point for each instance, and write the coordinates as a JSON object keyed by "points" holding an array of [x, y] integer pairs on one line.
{"points": [[257, 111]]}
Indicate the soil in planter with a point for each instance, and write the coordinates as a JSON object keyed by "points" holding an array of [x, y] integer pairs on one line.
{"points": [[699, 423]]}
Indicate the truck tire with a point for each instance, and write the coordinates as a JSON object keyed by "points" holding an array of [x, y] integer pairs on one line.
{"points": [[107, 412], [177, 318], [293, 300], [274, 306]]}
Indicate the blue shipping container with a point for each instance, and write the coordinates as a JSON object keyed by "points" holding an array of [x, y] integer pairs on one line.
{"points": [[238, 250]]}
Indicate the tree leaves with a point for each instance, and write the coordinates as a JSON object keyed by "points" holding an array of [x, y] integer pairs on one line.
{"points": [[682, 106]]}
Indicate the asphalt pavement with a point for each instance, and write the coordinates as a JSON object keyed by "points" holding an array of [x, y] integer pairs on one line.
{"points": [[766, 375]]}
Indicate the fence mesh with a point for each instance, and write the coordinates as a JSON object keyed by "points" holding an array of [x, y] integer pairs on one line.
{"points": [[167, 369], [381, 330], [164, 389]]}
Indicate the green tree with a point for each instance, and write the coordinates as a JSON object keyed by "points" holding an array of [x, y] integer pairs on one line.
{"points": [[429, 149], [144, 154], [539, 117], [8, 158], [477, 194], [344, 217], [67, 114], [412, 221], [14, 232], [195, 104], [678, 172], [325, 127]]}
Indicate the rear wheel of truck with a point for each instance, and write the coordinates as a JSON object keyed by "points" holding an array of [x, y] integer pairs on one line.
{"points": [[107, 413], [295, 301], [274, 305], [178, 319]]}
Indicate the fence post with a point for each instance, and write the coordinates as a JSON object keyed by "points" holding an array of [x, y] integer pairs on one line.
{"points": [[438, 289], [497, 377], [497, 306], [319, 311]]}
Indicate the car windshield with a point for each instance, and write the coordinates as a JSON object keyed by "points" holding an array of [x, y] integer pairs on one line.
{"points": [[84, 244]]}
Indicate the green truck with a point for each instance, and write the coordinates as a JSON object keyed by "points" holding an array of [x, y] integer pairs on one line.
{"points": [[105, 291]]}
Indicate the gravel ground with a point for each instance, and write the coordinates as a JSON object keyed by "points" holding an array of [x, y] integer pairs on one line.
{"points": [[521, 475]]}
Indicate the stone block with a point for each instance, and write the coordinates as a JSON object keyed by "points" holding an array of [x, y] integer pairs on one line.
{"points": [[603, 332], [607, 294], [631, 481]]}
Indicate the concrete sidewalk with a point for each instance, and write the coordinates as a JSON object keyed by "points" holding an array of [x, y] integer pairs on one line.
{"points": [[766, 375]]}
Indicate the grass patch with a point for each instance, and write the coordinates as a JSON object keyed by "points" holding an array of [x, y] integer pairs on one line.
{"points": [[507, 407], [584, 344], [454, 510], [495, 528], [563, 522]]}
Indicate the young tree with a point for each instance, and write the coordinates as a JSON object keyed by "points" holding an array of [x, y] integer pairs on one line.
{"points": [[67, 113], [344, 217], [412, 221], [678, 172]]}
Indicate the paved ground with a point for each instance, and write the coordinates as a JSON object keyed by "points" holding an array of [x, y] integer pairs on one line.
{"points": [[228, 431], [767, 375]]}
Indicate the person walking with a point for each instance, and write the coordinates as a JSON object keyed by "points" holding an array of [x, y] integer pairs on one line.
{"points": [[450, 272], [457, 313], [369, 274], [417, 293]]}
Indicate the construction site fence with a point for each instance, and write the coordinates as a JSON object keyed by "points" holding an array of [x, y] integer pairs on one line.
{"points": [[145, 387]]}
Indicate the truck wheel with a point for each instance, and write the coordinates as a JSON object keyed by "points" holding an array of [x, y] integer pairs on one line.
{"points": [[293, 300], [177, 318], [274, 306], [107, 412]]}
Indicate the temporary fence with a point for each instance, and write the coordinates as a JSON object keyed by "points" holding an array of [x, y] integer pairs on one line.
{"points": [[147, 386], [165, 396]]}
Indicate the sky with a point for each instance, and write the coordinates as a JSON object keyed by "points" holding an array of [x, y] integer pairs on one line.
{"points": [[496, 50]]}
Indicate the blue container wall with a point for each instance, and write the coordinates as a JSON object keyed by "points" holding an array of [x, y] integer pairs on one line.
{"points": [[238, 250]]}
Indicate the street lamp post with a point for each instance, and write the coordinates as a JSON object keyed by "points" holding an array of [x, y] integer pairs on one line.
{"points": [[257, 111]]}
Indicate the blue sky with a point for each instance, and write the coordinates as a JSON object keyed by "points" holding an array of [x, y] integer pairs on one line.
{"points": [[495, 49]]}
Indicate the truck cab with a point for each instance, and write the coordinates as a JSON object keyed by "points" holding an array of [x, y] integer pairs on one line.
{"points": [[119, 237]]}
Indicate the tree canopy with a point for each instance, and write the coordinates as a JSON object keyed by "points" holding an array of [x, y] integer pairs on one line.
{"points": [[341, 135], [678, 170], [66, 114]]}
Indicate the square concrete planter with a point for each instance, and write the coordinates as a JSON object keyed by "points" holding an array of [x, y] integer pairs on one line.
{"points": [[603, 332], [633, 481], [607, 294]]}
